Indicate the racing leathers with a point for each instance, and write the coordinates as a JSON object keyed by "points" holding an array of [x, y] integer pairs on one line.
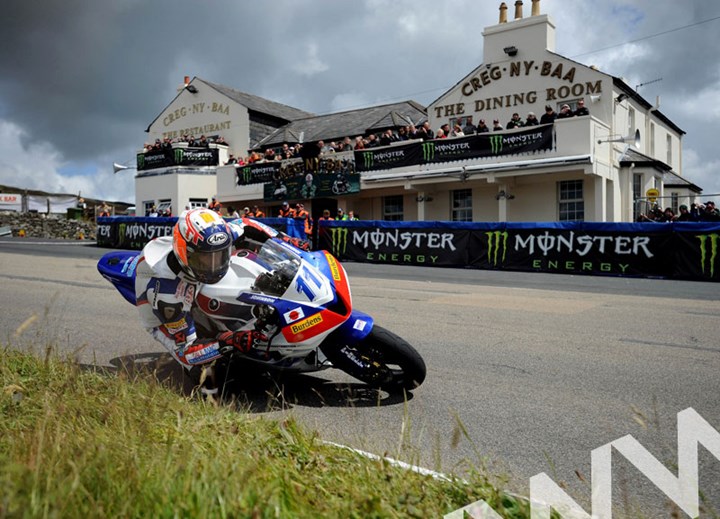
{"points": [[165, 296]]}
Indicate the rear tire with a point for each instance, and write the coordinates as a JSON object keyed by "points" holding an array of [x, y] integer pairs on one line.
{"points": [[382, 360]]}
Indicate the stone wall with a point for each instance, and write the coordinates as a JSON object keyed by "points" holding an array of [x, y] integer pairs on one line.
{"points": [[36, 225]]}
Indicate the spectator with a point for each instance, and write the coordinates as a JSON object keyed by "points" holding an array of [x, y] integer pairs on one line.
{"points": [[402, 134], [372, 141], [246, 212], [347, 144], [215, 205], [302, 214], [153, 212], [440, 134], [221, 140], [514, 122], [457, 131], [446, 130], [531, 120], [413, 133], [203, 142], [231, 160], [257, 213], [684, 215], [565, 112], [497, 127], [104, 210], [425, 132], [167, 213], [667, 216], [351, 215], [710, 214], [232, 212], [549, 115], [482, 127], [359, 144], [326, 215], [387, 137], [469, 127], [286, 211], [581, 109], [341, 214]]}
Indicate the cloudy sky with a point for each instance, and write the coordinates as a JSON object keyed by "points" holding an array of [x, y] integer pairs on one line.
{"points": [[82, 79]]}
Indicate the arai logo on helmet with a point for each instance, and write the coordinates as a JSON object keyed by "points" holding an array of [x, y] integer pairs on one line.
{"points": [[217, 238]]}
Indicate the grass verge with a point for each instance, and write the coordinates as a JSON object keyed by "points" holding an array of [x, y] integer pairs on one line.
{"points": [[78, 443]]}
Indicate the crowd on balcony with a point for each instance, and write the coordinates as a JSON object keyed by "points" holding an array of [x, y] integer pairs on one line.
{"points": [[190, 140], [405, 133], [706, 212]]}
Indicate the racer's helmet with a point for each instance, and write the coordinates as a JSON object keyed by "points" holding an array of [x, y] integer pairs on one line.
{"points": [[201, 243]]}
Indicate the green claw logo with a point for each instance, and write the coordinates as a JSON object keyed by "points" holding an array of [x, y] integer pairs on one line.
{"points": [[496, 241], [179, 155], [368, 159], [140, 160], [121, 233], [708, 241], [428, 149], [246, 175], [339, 240], [496, 144]]}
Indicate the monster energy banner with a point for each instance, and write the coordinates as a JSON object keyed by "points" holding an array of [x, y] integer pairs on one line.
{"points": [[596, 249], [127, 232], [177, 157], [418, 243], [463, 148], [388, 157], [673, 250], [257, 173]]}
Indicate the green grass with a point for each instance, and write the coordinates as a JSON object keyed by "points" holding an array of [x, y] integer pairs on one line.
{"points": [[81, 443]]}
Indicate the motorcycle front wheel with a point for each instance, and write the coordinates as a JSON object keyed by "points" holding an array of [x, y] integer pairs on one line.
{"points": [[382, 360]]}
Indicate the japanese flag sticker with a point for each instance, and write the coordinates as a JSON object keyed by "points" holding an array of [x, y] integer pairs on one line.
{"points": [[293, 315]]}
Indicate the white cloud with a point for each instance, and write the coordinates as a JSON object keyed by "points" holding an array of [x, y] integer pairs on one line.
{"points": [[37, 165], [311, 64]]}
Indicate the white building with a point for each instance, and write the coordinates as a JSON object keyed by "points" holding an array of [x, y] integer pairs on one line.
{"points": [[594, 171]]}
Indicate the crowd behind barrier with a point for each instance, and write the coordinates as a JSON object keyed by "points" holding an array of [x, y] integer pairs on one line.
{"points": [[674, 250]]}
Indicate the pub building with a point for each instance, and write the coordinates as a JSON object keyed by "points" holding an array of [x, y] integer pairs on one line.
{"points": [[600, 167]]}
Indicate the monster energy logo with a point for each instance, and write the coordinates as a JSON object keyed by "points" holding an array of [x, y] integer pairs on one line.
{"points": [[339, 240], [368, 159], [494, 245], [246, 175], [428, 149], [179, 154], [140, 161], [708, 241], [496, 144]]}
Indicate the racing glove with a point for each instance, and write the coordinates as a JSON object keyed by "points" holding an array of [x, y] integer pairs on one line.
{"points": [[243, 340]]}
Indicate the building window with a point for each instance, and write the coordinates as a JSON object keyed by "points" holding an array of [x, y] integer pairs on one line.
{"points": [[198, 202], [637, 194], [147, 206], [570, 201], [674, 202], [163, 205], [668, 144], [393, 208], [461, 205]]}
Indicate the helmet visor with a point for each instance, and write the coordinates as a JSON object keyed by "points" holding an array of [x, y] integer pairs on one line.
{"points": [[209, 267]]}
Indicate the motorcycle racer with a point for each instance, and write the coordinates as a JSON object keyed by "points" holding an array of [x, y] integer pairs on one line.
{"points": [[170, 272]]}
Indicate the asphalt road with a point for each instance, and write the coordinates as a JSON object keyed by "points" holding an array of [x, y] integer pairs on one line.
{"points": [[527, 373]]}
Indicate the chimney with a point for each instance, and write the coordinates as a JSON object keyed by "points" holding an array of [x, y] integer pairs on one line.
{"points": [[518, 9], [503, 13], [535, 7]]}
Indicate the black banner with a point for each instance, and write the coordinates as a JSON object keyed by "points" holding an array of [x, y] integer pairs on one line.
{"points": [[258, 173], [462, 148], [177, 157], [372, 242], [572, 251], [388, 157]]}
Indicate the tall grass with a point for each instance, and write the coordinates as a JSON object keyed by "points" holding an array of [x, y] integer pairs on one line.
{"points": [[81, 443]]}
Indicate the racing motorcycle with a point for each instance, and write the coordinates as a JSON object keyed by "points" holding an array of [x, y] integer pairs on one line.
{"points": [[301, 301]]}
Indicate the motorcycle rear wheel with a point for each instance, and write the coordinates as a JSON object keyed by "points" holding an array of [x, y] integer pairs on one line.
{"points": [[382, 360]]}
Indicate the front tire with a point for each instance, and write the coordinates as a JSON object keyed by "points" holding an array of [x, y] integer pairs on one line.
{"points": [[382, 360]]}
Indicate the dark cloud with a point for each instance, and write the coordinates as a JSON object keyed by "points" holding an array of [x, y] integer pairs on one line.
{"points": [[88, 77]]}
